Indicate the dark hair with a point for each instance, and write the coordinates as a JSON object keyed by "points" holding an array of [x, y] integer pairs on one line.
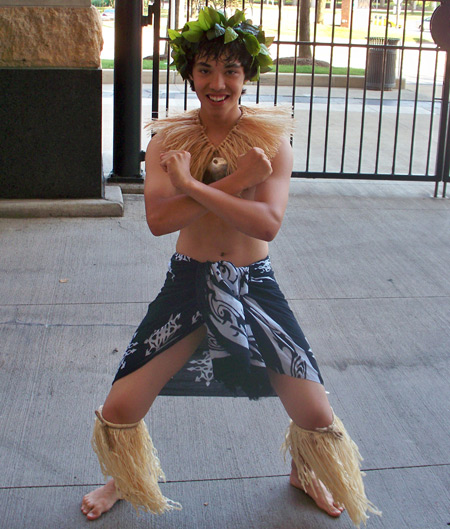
{"points": [[216, 49]]}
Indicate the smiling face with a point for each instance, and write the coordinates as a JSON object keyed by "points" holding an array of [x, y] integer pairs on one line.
{"points": [[218, 83], [215, 50]]}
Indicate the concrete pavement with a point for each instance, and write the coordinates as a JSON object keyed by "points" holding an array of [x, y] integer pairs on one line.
{"points": [[365, 268]]}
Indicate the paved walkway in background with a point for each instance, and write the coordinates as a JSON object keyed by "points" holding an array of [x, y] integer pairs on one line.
{"points": [[414, 124], [365, 269]]}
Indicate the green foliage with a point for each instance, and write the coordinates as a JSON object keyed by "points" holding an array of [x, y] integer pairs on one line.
{"points": [[102, 3], [213, 24]]}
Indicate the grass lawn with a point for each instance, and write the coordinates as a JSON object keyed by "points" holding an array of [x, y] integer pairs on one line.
{"points": [[108, 64]]}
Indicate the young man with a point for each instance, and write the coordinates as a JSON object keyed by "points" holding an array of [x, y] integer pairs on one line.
{"points": [[220, 281]]}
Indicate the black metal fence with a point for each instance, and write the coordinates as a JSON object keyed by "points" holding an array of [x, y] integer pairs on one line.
{"points": [[367, 85]]}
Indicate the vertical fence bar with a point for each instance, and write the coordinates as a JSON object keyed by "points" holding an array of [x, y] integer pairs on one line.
{"points": [[327, 120], [311, 97], [297, 30], [169, 26], [275, 95], [188, 12], [399, 96], [156, 55], [258, 84], [416, 97], [363, 110], [383, 80], [347, 88]]}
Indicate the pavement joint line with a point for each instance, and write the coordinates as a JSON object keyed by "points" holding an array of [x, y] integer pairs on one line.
{"points": [[48, 325], [73, 304], [146, 301], [367, 299], [236, 478], [356, 208]]}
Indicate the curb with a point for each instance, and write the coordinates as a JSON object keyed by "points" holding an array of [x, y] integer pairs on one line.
{"points": [[110, 206]]}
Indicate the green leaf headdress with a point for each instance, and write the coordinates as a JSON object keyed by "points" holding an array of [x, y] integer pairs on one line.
{"points": [[213, 24]]}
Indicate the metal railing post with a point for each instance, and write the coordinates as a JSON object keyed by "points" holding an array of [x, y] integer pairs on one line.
{"points": [[439, 32], [156, 55]]}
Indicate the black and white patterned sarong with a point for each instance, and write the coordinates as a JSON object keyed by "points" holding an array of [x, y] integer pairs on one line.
{"points": [[249, 324]]}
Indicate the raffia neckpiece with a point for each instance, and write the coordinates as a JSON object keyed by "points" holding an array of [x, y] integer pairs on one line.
{"points": [[257, 127]]}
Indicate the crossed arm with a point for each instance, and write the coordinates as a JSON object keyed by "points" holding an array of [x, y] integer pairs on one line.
{"points": [[174, 199]]}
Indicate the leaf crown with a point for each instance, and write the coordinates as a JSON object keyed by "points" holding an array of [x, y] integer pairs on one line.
{"points": [[213, 24]]}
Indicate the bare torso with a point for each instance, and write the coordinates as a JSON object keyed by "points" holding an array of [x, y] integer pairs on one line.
{"points": [[212, 239]]}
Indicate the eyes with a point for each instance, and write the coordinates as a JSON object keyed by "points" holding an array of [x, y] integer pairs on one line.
{"points": [[230, 73], [228, 69]]}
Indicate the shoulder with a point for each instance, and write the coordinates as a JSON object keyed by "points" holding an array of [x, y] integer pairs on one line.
{"points": [[284, 152], [174, 123], [266, 127], [155, 145]]}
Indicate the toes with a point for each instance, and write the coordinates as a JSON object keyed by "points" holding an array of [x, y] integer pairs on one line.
{"points": [[89, 509], [93, 515], [335, 511], [86, 506]]}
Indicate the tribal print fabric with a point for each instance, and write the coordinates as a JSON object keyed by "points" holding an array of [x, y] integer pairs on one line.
{"points": [[249, 324]]}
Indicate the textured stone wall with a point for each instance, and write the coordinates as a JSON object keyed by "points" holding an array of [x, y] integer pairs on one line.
{"points": [[51, 3], [60, 37]]}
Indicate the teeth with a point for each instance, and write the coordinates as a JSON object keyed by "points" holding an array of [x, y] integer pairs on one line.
{"points": [[216, 99]]}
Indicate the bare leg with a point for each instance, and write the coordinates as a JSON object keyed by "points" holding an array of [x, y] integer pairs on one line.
{"points": [[307, 405], [130, 399]]}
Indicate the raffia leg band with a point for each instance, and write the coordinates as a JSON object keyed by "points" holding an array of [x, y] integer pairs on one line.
{"points": [[335, 460], [126, 453]]}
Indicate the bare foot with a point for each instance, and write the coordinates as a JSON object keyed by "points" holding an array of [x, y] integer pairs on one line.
{"points": [[99, 501], [317, 492]]}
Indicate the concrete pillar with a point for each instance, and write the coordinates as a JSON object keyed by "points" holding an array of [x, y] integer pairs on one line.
{"points": [[50, 99]]}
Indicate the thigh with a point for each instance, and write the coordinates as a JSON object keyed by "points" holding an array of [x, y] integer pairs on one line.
{"points": [[305, 401], [130, 397]]}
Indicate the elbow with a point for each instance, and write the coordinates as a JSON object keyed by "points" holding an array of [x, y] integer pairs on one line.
{"points": [[270, 231], [269, 236], [156, 226], [156, 232]]}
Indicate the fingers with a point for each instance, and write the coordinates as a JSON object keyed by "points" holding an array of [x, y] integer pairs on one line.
{"points": [[255, 166], [166, 158]]}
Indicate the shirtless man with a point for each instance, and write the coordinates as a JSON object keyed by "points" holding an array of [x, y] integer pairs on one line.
{"points": [[228, 223]]}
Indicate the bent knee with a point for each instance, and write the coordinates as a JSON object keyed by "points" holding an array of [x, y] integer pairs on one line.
{"points": [[320, 417], [121, 411]]}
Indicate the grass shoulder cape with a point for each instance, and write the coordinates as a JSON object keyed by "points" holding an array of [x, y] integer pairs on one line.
{"points": [[257, 127]]}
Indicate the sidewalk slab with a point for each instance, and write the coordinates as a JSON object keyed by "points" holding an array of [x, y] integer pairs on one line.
{"points": [[363, 266]]}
